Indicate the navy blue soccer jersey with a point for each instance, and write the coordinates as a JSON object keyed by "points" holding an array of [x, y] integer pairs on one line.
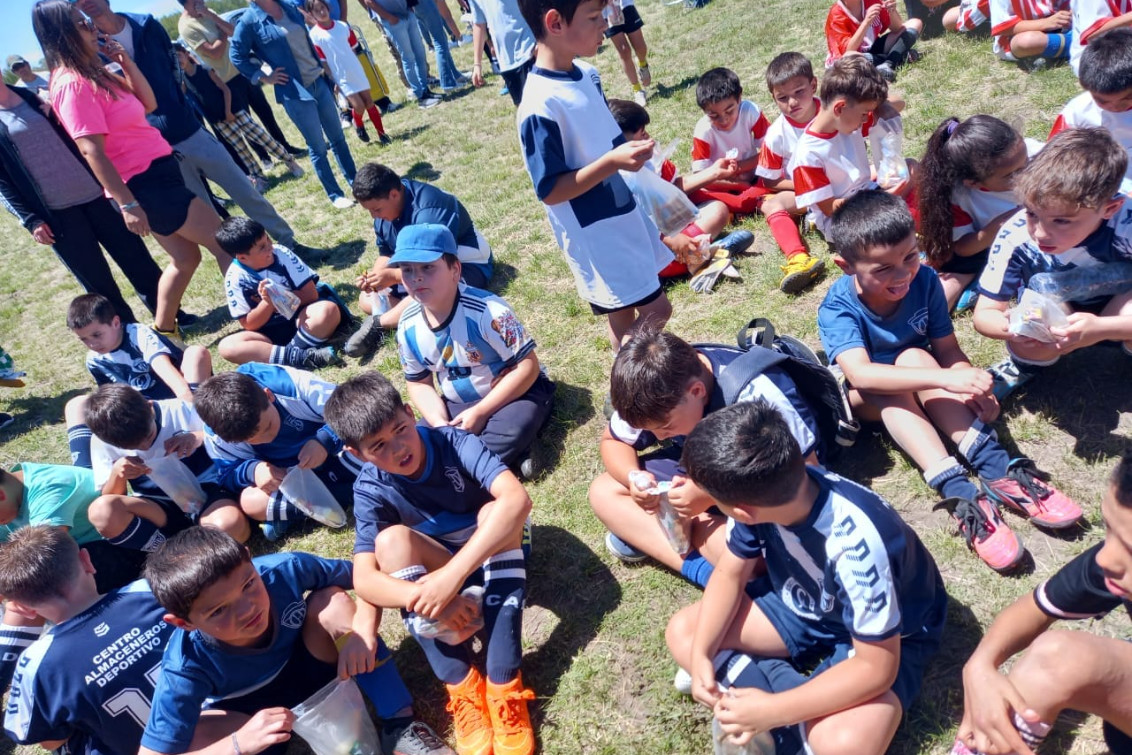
{"points": [[197, 669], [90, 680], [241, 283], [132, 362], [425, 203], [443, 503], [299, 399], [854, 568], [1078, 591]]}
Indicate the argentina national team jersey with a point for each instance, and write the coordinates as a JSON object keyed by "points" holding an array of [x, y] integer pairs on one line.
{"points": [[132, 362], [480, 341], [90, 680], [442, 503], [853, 568], [299, 398], [241, 283]]}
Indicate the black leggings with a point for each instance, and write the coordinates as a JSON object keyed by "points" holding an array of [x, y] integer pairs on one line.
{"points": [[899, 52]]}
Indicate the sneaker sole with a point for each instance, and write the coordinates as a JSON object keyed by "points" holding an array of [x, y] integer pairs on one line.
{"points": [[622, 557], [796, 283]]}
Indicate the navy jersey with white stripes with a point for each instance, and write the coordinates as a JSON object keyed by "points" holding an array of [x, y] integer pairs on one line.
{"points": [[853, 567], [197, 669], [1078, 591], [90, 679], [132, 362]]}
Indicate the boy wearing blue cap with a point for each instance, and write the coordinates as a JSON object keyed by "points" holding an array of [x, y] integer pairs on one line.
{"points": [[490, 381]]}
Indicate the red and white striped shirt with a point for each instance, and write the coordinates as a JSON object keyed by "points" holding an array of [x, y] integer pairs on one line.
{"points": [[778, 147], [829, 166]]}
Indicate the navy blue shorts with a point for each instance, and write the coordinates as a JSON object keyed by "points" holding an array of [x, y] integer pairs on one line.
{"points": [[280, 331], [970, 265], [633, 21], [300, 677]]}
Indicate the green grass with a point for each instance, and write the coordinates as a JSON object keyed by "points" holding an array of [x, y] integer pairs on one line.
{"points": [[594, 639]]}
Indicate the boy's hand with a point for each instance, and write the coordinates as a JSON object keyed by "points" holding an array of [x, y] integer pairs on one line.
{"points": [[458, 613], [872, 14], [967, 381], [725, 167], [357, 656], [688, 498], [470, 420], [312, 454], [704, 688], [683, 247], [278, 76], [270, 726], [739, 712], [268, 477], [1063, 19], [264, 299], [434, 592], [646, 501], [631, 156], [182, 445], [985, 407], [1080, 325], [989, 699], [375, 281], [130, 467]]}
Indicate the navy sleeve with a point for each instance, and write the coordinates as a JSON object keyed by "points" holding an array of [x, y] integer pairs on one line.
{"points": [[310, 572], [939, 316], [481, 464], [544, 153], [385, 236], [743, 540], [1077, 590], [371, 512]]}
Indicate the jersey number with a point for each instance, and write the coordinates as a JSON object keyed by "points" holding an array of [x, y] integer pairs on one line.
{"points": [[133, 701]]}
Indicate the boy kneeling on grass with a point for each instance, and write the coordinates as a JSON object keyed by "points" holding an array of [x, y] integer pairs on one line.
{"points": [[436, 512], [847, 582], [252, 640]]}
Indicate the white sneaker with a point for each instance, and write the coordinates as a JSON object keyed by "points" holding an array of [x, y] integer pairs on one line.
{"points": [[342, 203], [682, 682], [640, 97]]}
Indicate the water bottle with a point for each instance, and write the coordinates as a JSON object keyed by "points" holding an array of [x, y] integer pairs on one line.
{"points": [[381, 301], [886, 139], [1083, 283]]}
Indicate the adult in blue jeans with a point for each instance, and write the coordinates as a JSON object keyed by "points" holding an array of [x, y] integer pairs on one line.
{"points": [[273, 32], [404, 30], [433, 23]]}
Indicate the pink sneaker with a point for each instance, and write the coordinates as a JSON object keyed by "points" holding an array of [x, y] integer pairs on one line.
{"points": [[1025, 490], [991, 539]]}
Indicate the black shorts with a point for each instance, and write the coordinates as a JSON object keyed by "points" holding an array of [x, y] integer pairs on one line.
{"points": [[280, 331], [516, 79], [599, 310], [300, 677], [970, 265], [162, 193], [633, 22]]}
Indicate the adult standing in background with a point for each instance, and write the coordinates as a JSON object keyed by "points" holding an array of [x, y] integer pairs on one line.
{"points": [[514, 43], [27, 78], [429, 16], [275, 32], [404, 31]]}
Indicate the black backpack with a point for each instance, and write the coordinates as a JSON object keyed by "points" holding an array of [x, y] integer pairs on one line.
{"points": [[763, 348]]}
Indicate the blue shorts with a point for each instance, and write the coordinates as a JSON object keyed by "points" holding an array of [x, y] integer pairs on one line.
{"points": [[808, 642]]}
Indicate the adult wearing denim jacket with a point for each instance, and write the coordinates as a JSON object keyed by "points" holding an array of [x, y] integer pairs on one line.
{"points": [[262, 36], [147, 42], [404, 31]]}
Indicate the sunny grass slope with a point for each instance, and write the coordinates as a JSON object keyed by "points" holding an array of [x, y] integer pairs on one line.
{"points": [[594, 638]]}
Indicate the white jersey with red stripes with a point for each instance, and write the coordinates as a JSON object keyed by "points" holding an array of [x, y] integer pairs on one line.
{"points": [[745, 137], [972, 14], [829, 166], [778, 147], [1082, 112], [1088, 17], [1005, 15]]}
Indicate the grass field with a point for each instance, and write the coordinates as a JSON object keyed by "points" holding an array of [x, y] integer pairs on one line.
{"points": [[594, 630]]}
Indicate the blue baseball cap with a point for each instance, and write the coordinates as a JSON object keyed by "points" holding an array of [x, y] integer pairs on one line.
{"points": [[421, 243]]}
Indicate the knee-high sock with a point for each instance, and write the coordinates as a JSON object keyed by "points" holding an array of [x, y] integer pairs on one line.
{"points": [[357, 116], [78, 441], [304, 339], [785, 232], [899, 50], [13, 641], [139, 535], [981, 449], [949, 478], [375, 116], [383, 685], [504, 589], [450, 663]]}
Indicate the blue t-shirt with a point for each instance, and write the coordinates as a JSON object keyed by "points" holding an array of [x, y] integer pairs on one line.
{"points": [[853, 568], [132, 362], [443, 503], [844, 322], [1015, 258], [299, 399], [196, 668], [425, 203], [90, 679], [514, 41]]}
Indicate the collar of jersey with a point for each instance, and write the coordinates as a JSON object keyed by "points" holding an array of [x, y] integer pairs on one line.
{"points": [[802, 124], [827, 135], [574, 74]]}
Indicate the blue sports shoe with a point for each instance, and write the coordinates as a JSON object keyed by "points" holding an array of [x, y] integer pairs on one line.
{"points": [[275, 530], [967, 300], [624, 552], [1007, 377], [736, 242]]}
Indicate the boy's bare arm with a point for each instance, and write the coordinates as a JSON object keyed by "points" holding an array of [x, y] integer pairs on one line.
{"points": [[990, 318], [629, 156], [172, 377], [619, 457], [949, 353], [889, 379], [308, 293], [720, 170], [378, 588], [427, 401], [717, 612]]}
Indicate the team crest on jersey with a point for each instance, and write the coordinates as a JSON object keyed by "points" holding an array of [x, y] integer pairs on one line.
{"points": [[294, 615], [795, 595], [454, 476], [101, 629], [919, 321], [294, 423], [509, 329], [473, 353]]}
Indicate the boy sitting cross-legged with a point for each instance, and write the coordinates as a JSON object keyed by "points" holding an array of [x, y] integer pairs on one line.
{"points": [[436, 510], [886, 326], [258, 636], [470, 342], [848, 585], [262, 269]]}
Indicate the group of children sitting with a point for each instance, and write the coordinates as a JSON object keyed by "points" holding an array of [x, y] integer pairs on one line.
{"points": [[801, 568]]}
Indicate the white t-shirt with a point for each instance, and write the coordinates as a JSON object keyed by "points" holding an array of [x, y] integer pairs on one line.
{"points": [[746, 137], [335, 46], [829, 166], [778, 146], [1088, 17], [973, 209], [1082, 112]]}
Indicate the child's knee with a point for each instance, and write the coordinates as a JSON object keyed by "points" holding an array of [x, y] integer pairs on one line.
{"points": [[1055, 660], [397, 548], [916, 358], [103, 510], [74, 412], [327, 604], [864, 730], [914, 24], [605, 490], [679, 633], [228, 518]]}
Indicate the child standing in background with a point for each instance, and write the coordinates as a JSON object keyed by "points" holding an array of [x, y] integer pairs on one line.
{"points": [[624, 30]]}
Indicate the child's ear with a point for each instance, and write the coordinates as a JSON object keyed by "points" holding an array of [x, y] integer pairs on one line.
{"points": [[116, 322], [20, 609], [838, 107], [270, 395], [352, 450], [178, 622], [844, 264], [698, 389], [741, 514], [553, 21], [1113, 207]]}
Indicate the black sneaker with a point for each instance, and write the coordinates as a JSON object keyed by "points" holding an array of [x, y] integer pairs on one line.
{"points": [[528, 468], [416, 738], [186, 319], [384, 140], [366, 339], [6, 419], [308, 254], [325, 356], [428, 101], [295, 151], [362, 133]]}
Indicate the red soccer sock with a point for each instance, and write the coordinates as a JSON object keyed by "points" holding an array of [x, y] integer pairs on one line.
{"points": [[692, 230], [785, 233], [357, 118], [375, 116]]}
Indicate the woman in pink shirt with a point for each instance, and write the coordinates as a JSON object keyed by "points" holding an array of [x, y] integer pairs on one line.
{"points": [[105, 113]]}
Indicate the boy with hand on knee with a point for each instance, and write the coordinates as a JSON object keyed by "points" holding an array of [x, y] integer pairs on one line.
{"points": [[874, 29], [470, 342], [259, 636], [286, 315], [1074, 219], [886, 326], [1013, 712], [1037, 29], [133, 354], [130, 432], [847, 582], [436, 512]]}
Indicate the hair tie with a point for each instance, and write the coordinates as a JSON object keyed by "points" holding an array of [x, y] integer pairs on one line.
{"points": [[951, 126]]}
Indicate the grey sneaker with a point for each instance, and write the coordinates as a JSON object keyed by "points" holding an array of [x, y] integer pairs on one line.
{"points": [[427, 102], [1007, 378], [417, 738], [314, 359], [624, 552], [366, 339]]}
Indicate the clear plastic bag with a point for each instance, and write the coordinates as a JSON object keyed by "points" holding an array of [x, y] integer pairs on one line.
{"points": [[286, 303], [886, 141], [674, 526], [760, 744], [669, 207], [432, 629], [1035, 315], [178, 482], [302, 488], [334, 721], [1083, 283]]}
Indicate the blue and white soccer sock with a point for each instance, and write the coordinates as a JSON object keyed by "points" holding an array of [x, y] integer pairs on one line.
{"points": [[13, 641], [981, 449], [450, 663], [139, 535], [78, 441], [504, 590], [950, 478], [305, 340], [279, 509], [384, 687], [289, 356]]}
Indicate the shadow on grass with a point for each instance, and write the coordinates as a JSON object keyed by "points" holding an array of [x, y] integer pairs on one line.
{"points": [[503, 277], [868, 459], [573, 406], [30, 412], [664, 91], [409, 133], [210, 322], [422, 171], [343, 256]]}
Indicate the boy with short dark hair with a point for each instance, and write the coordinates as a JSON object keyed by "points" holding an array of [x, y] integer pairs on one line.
{"points": [[875, 30], [1073, 218], [263, 275], [468, 360], [127, 353], [661, 387], [1106, 76], [886, 326], [1015, 711], [260, 421], [436, 510], [573, 150], [395, 203], [130, 432], [732, 130], [250, 637], [848, 584]]}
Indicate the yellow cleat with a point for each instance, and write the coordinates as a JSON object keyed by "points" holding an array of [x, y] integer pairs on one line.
{"points": [[800, 271]]}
